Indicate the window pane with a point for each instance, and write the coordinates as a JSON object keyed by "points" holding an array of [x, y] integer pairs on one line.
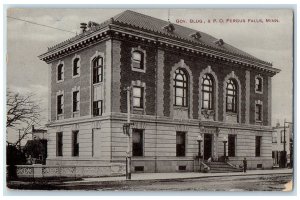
{"points": [[179, 83], [137, 92], [137, 56], [179, 92], [206, 96], [205, 104], [178, 101], [179, 77], [136, 102]]}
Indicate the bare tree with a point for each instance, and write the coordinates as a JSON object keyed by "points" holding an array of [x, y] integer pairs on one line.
{"points": [[22, 112]]}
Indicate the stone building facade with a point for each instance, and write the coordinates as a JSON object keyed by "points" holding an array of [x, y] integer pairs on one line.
{"points": [[184, 83]]}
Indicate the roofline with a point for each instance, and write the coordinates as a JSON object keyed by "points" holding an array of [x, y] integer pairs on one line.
{"points": [[160, 39]]}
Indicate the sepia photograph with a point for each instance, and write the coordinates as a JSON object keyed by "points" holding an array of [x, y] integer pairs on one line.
{"points": [[149, 99]]}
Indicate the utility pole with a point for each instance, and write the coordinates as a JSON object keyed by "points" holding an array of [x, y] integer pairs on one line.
{"points": [[128, 145], [284, 149]]}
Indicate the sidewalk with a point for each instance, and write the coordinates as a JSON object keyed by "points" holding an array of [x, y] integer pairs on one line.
{"points": [[184, 175]]}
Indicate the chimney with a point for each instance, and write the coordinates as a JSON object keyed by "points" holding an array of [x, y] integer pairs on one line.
{"points": [[83, 27], [32, 128]]}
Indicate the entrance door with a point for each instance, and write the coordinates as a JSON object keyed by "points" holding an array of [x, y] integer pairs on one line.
{"points": [[207, 146]]}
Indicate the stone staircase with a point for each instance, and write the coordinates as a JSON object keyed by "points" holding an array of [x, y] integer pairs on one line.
{"points": [[221, 167]]}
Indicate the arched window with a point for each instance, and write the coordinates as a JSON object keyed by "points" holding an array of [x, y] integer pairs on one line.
{"points": [[138, 59], [231, 96], [207, 92], [180, 88], [98, 69]]}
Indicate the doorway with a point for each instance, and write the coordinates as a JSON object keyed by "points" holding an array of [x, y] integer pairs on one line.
{"points": [[207, 146]]}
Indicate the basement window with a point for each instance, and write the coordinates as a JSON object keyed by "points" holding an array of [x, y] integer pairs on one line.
{"points": [[139, 168], [182, 168]]}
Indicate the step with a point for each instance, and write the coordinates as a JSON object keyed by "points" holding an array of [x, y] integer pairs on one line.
{"points": [[226, 169]]}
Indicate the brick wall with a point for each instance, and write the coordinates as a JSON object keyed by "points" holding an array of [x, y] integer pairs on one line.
{"points": [[256, 96], [127, 75], [83, 81]]}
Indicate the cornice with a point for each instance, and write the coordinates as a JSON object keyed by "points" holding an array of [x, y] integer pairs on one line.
{"points": [[160, 40]]}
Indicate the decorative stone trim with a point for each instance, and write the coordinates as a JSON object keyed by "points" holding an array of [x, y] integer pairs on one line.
{"points": [[75, 127], [247, 98], [77, 113], [139, 125], [79, 65], [262, 84], [63, 69], [59, 128], [138, 83], [182, 128], [160, 82], [96, 125], [233, 76], [144, 59], [208, 70], [60, 116], [269, 101], [181, 64]]}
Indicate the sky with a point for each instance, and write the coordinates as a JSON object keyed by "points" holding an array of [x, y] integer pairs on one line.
{"points": [[272, 42]]}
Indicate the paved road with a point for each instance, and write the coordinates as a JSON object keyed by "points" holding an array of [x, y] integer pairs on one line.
{"points": [[235, 183]]}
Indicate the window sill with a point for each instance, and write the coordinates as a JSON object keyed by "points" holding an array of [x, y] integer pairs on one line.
{"points": [[59, 81], [181, 107], [76, 76], [76, 114], [60, 117], [231, 113], [96, 84], [138, 70], [258, 92]]}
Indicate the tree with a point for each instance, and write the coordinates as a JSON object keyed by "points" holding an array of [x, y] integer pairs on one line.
{"points": [[23, 111]]}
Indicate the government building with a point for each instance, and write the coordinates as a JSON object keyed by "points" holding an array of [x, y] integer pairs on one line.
{"points": [[191, 96]]}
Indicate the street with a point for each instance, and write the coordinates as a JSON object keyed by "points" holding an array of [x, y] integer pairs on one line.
{"points": [[270, 182]]}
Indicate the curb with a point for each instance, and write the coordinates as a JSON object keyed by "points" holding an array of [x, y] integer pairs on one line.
{"points": [[180, 178]]}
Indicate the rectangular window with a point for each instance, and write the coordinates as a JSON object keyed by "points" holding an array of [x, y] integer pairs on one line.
{"points": [[60, 104], [76, 67], [137, 142], [231, 145], [258, 84], [97, 108], [257, 146], [180, 143], [258, 112], [59, 144], [60, 72], [75, 101], [138, 97], [75, 144]]}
